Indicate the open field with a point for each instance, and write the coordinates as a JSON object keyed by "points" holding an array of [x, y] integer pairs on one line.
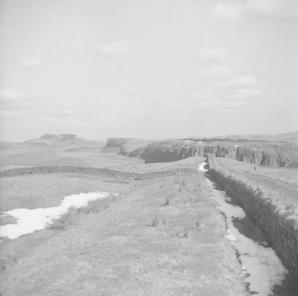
{"points": [[167, 232], [149, 148], [151, 239], [13, 155], [164, 238], [34, 191]]}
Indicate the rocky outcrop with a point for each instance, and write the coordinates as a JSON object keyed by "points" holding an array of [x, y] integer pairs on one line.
{"points": [[166, 151], [158, 151], [125, 146], [260, 154], [265, 158]]}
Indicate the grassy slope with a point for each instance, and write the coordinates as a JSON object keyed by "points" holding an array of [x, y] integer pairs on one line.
{"points": [[165, 238], [47, 190], [33, 191], [162, 236]]}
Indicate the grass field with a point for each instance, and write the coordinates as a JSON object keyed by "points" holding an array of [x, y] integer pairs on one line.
{"points": [[162, 235], [30, 154], [35, 191]]}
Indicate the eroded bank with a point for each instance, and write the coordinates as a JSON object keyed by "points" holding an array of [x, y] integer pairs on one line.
{"points": [[278, 226]]}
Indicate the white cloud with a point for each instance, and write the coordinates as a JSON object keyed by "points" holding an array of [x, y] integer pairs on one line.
{"points": [[30, 62], [233, 9], [216, 72], [189, 104], [14, 104], [9, 94], [229, 10], [237, 90], [11, 101], [213, 53], [245, 93], [238, 82], [279, 8], [115, 48]]}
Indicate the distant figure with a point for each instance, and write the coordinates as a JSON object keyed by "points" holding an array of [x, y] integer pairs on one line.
{"points": [[255, 168]]}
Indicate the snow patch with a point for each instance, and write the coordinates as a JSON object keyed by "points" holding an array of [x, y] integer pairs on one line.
{"points": [[30, 220], [202, 166], [230, 236]]}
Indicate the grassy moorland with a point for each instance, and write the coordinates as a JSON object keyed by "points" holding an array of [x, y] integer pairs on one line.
{"points": [[161, 236], [26, 154]]}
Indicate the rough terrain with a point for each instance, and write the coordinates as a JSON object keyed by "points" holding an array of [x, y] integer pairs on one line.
{"points": [[270, 197], [167, 233], [163, 234]]}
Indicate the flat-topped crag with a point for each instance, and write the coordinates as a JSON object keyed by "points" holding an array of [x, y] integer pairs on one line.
{"points": [[58, 139]]}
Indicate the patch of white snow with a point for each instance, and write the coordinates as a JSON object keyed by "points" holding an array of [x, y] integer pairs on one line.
{"points": [[30, 220]]}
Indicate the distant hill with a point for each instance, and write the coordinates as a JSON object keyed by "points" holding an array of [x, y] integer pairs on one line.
{"points": [[68, 139], [290, 137]]}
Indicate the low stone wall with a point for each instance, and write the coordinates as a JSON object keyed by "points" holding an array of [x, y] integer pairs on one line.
{"points": [[101, 172], [281, 232]]}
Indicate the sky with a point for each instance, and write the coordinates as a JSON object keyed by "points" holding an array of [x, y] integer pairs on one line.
{"points": [[148, 68]]}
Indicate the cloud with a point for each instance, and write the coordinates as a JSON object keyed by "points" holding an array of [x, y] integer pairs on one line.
{"points": [[30, 62], [115, 48], [14, 103], [229, 10], [244, 81], [216, 72], [238, 97], [248, 92], [277, 8], [11, 101], [234, 9], [244, 93], [9, 94], [213, 53]]}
